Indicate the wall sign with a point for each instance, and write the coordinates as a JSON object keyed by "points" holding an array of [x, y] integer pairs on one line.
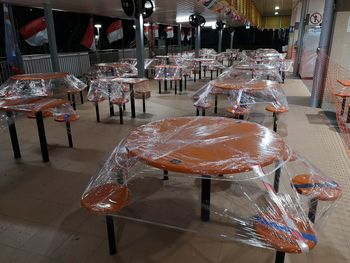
{"points": [[316, 18]]}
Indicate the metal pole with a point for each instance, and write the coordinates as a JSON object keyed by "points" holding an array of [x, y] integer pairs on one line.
{"points": [[300, 36], [198, 40], [179, 37], [52, 37], [323, 51], [220, 41], [140, 46], [231, 42]]}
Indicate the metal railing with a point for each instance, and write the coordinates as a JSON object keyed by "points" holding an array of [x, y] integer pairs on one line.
{"points": [[74, 63]]}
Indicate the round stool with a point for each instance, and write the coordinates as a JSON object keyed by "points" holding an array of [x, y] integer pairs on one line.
{"points": [[205, 106], [239, 112], [275, 113]]}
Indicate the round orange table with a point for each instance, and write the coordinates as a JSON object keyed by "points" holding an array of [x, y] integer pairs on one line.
{"points": [[205, 146]]}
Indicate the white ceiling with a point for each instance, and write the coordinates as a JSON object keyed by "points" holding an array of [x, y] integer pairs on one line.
{"points": [[166, 10], [267, 7]]}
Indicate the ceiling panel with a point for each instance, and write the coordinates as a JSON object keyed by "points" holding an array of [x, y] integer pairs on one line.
{"points": [[267, 7], [165, 13]]}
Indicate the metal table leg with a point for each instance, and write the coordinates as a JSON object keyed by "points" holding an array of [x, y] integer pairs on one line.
{"points": [[73, 102], [69, 134], [111, 235], [132, 101], [13, 135], [81, 97], [97, 112], [42, 136], [143, 102], [205, 207]]}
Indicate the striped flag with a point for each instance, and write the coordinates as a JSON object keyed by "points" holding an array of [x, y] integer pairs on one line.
{"points": [[35, 32], [170, 31], [88, 40], [155, 28], [115, 31]]}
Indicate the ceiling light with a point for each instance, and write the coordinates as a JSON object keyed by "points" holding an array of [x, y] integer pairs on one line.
{"points": [[276, 13], [277, 7], [147, 24], [211, 24], [181, 19], [98, 25]]}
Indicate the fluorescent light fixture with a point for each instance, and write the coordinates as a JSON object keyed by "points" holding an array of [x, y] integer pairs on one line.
{"points": [[276, 13], [147, 24], [211, 24], [277, 7], [182, 19], [134, 26], [98, 25]]}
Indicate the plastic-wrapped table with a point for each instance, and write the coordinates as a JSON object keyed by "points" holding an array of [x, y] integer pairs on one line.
{"points": [[239, 172]]}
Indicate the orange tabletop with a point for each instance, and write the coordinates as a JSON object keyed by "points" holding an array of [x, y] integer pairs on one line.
{"points": [[38, 76], [234, 84], [344, 82], [205, 145], [30, 105]]}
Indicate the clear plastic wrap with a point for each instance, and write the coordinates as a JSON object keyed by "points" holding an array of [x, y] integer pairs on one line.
{"points": [[40, 85], [121, 70], [227, 178], [241, 90], [108, 89], [168, 72], [207, 52]]}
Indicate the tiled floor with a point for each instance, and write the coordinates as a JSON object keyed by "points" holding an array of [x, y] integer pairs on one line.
{"points": [[40, 215]]}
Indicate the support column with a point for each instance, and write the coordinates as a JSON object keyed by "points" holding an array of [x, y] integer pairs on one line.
{"points": [[231, 41], [300, 36], [179, 37], [52, 37], [198, 40], [220, 40], [140, 46], [323, 51]]}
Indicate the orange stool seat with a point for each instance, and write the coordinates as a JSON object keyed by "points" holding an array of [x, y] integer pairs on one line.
{"points": [[238, 111], [106, 198], [204, 105], [342, 94], [272, 108], [72, 118], [119, 101], [272, 229], [317, 187], [45, 114]]}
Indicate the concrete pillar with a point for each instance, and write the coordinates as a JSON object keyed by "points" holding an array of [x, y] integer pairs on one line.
{"points": [[322, 57], [52, 37], [198, 40], [231, 41], [220, 40], [300, 36], [179, 37], [140, 46]]}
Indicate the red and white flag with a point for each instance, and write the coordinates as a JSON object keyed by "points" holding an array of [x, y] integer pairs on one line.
{"points": [[155, 28], [170, 31], [115, 31], [35, 32], [88, 40], [146, 31]]}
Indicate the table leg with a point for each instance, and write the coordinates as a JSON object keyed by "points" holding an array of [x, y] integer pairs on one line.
{"points": [[69, 134], [111, 235], [165, 177], [185, 82], [165, 85], [13, 135], [175, 87], [73, 102], [211, 75], [279, 257], [197, 112], [312, 209], [121, 114], [181, 85], [97, 112], [200, 70], [132, 101], [275, 122], [68, 96], [143, 102], [276, 182], [81, 97], [160, 86], [111, 107], [343, 106], [171, 84], [216, 104], [205, 207], [42, 136]]}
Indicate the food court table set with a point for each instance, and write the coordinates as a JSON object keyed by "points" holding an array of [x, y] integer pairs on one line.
{"points": [[215, 176], [39, 96]]}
